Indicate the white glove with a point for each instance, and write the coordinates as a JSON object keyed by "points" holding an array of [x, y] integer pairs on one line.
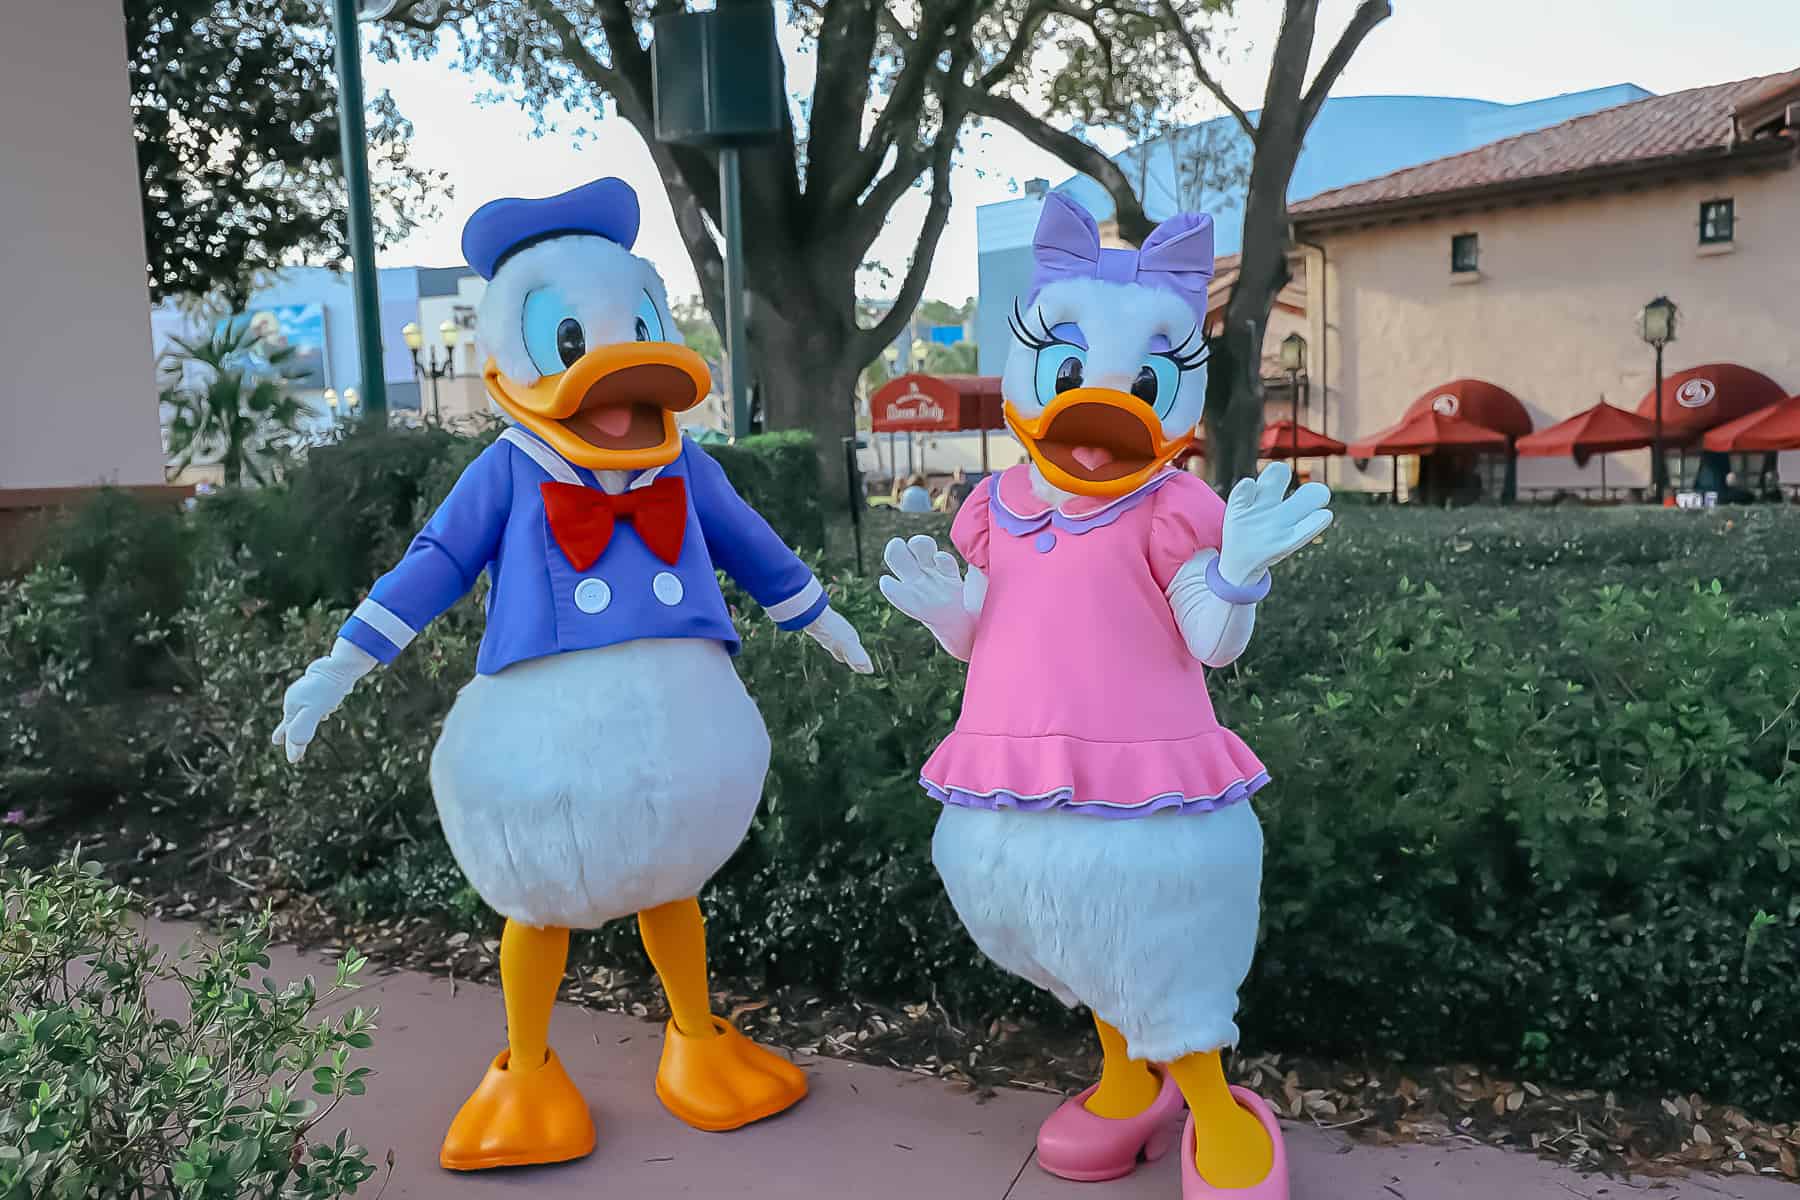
{"points": [[317, 694], [1261, 528], [927, 586], [837, 635]]}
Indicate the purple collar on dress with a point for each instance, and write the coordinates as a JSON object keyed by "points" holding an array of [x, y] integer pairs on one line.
{"points": [[1019, 510]]}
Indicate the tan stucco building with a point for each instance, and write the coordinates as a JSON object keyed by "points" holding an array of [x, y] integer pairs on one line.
{"points": [[1527, 263], [76, 405]]}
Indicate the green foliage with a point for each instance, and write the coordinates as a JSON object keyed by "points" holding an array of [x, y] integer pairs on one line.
{"points": [[125, 1071], [234, 103], [337, 521], [1535, 802], [226, 402], [778, 473], [957, 359]]}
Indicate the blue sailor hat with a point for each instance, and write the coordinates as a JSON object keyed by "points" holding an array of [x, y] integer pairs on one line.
{"points": [[605, 208]]}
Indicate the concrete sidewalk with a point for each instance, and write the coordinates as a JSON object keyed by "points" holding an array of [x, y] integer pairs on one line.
{"points": [[864, 1132]]}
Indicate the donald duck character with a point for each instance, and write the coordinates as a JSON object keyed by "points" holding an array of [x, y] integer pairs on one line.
{"points": [[606, 759], [1096, 836]]}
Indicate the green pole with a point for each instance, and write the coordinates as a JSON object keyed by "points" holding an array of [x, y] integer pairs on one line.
{"points": [[361, 214]]}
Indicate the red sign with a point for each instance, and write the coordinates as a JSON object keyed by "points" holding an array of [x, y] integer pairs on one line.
{"points": [[917, 404], [936, 402]]}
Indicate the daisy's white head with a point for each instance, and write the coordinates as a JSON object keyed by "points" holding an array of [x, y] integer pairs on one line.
{"points": [[1105, 381]]}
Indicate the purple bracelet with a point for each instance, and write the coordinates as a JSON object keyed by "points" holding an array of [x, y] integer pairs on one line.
{"points": [[1235, 593]]}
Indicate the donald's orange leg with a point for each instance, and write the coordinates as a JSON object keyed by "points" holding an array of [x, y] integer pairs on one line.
{"points": [[526, 1109], [711, 1076]]}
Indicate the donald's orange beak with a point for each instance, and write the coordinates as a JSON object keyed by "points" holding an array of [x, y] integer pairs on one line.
{"points": [[614, 409], [1096, 441]]}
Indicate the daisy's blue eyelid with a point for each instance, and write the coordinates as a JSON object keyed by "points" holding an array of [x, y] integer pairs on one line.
{"points": [[544, 310], [653, 323], [1071, 333]]}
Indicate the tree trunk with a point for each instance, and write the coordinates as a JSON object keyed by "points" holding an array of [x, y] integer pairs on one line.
{"points": [[1234, 428], [806, 380]]}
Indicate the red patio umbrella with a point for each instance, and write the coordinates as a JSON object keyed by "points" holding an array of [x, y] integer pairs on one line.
{"points": [[1426, 432], [1600, 430], [1776, 427], [1284, 439]]}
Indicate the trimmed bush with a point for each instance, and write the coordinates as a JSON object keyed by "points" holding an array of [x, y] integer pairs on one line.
{"points": [[1535, 787], [778, 473]]}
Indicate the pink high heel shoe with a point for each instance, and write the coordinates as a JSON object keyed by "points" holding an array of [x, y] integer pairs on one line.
{"points": [[1274, 1185], [1075, 1144]]}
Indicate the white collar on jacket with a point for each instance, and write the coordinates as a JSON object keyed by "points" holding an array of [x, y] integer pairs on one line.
{"points": [[559, 468]]}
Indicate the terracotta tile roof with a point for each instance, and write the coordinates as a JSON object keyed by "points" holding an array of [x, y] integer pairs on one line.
{"points": [[1675, 126]]}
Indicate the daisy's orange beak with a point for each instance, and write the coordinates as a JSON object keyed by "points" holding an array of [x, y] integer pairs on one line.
{"points": [[1096, 441], [614, 409]]}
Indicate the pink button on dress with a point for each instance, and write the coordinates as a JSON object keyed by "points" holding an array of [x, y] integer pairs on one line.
{"points": [[1081, 694]]}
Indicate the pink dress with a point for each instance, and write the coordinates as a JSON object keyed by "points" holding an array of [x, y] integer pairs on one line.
{"points": [[1081, 693]]}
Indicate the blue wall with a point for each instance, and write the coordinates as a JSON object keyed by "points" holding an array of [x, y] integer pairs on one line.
{"points": [[1354, 138]]}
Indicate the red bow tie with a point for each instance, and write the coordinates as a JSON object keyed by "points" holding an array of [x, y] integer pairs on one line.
{"points": [[582, 518]]}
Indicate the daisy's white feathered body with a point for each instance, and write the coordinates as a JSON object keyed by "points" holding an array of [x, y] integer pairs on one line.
{"points": [[1096, 836]]}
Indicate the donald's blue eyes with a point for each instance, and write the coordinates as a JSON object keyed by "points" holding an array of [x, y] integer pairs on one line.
{"points": [[648, 326], [554, 337]]}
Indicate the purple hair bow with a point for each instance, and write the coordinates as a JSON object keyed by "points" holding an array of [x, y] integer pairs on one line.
{"points": [[1177, 256]]}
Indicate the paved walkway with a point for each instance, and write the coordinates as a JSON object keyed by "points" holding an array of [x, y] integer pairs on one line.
{"points": [[864, 1133]]}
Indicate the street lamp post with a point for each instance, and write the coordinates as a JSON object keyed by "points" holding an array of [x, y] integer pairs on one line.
{"points": [[431, 368], [1659, 331], [1293, 358], [717, 84]]}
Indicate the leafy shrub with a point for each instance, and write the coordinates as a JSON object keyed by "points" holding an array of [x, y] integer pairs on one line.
{"points": [[125, 566], [72, 738], [778, 473], [102, 1094], [335, 523], [1542, 803]]}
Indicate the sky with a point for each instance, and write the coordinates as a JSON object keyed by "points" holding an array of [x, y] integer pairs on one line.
{"points": [[1504, 50]]}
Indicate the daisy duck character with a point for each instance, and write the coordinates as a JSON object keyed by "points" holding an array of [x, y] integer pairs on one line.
{"points": [[606, 759], [1096, 835]]}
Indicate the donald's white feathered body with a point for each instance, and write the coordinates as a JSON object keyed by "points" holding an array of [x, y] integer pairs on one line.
{"points": [[578, 788]]}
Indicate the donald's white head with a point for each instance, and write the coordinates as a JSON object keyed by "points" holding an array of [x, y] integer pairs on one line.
{"points": [[582, 349], [1106, 378]]}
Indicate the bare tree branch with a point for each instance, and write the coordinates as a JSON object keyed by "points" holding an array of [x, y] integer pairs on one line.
{"points": [[1369, 14], [1192, 48], [867, 343], [897, 124], [847, 31], [1134, 225]]}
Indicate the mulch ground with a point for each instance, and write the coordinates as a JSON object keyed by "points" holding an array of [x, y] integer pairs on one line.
{"points": [[213, 878]]}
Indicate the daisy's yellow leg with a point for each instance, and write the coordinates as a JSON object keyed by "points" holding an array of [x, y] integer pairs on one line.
{"points": [[1231, 1148], [711, 1076], [527, 1109], [1127, 1085]]}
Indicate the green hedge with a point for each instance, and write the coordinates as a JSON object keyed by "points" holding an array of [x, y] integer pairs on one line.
{"points": [[1537, 790]]}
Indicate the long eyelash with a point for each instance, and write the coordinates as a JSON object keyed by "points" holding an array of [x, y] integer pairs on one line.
{"points": [[1186, 359], [1020, 330]]}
